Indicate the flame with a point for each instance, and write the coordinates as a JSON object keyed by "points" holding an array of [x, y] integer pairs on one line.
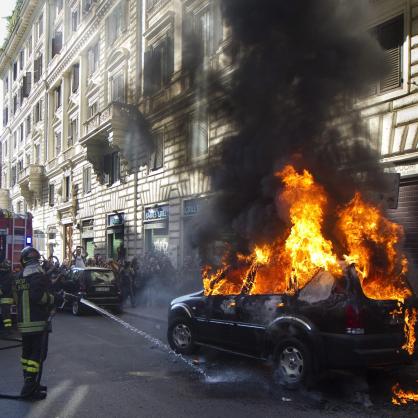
{"points": [[402, 397], [371, 242], [409, 330], [366, 239]]}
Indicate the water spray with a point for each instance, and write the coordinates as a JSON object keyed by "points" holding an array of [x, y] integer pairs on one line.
{"points": [[155, 341]]}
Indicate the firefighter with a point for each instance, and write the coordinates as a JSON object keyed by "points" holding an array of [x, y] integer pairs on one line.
{"points": [[6, 294], [34, 304]]}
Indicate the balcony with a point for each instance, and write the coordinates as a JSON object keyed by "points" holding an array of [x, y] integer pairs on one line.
{"points": [[118, 127], [30, 182]]}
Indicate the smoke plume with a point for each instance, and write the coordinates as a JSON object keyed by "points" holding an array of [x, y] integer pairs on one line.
{"points": [[299, 65]]}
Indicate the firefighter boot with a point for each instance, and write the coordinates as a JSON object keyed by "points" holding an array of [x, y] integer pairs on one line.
{"points": [[29, 387]]}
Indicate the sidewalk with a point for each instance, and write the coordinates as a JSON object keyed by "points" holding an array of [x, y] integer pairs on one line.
{"points": [[157, 313]]}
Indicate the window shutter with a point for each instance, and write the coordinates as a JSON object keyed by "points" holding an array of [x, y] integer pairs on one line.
{"points": [[157, 70], [28, 83], [168, 59], [394, 78]]}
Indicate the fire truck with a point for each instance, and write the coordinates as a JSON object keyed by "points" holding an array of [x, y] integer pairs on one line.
{"points": [[15, 234]]}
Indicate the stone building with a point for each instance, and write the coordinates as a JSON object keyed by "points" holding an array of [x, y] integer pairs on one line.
{"points": [[78, 78], [391, 110]]}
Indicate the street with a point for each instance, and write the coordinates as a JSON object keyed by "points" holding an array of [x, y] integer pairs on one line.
{"points": [[98, 368]]}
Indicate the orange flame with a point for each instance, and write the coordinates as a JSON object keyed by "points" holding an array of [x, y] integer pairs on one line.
{"points": [[409, 330], [367, 238], [402, 397]]}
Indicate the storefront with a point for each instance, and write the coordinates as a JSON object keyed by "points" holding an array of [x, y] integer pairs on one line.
{"points": [[156, 220], [115, 234], [87, 236]]}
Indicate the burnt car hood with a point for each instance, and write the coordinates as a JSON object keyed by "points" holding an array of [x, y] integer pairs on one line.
{"points": [[185, 298]]}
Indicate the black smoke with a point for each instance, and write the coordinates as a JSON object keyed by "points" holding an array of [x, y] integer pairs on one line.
{"points": [[299, 66]]}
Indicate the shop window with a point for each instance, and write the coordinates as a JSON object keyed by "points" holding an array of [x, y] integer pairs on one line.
{"points": [[158, 65], [112, 168], [117, 21], [86, 180], [157, 156], [390, 36], [51, 195]]}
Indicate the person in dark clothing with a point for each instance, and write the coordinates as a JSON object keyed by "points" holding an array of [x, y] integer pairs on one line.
{"points": [[126, 275], [6, 294], [34, 304]]}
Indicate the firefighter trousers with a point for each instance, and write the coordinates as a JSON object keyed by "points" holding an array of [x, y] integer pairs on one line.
{"points": [[34, 351]]}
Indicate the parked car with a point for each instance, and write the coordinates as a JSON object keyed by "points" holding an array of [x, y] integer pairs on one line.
{"points": [[330, 323], [98, 285]]}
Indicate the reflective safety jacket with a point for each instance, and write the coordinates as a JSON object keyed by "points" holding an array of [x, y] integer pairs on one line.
{"points": [[34, 302], [6, 297]]}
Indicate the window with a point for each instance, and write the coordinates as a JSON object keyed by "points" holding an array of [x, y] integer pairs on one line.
{"points": [[14, 140], [37, 112], [118, 88], [75, 77], [93, 58], [5, 84], [27, 84], [28, 125], [391, 37], [199, 145], [157, 156], [116, 22], [112, 168], [92, 109], [5, 116], [57, 42], [86, 180], [36, 151], [67, 188], [22, 59], [75, 19], [72, 132], [158, 65], [21, 130], [37, 69], [15, 104], [15, 71], [88, 4], [51, 195], [13, 176], [40, 26], [57, 97], [57, 145]]}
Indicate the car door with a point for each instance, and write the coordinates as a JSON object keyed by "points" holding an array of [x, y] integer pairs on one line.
{"points": [[222, 320]]}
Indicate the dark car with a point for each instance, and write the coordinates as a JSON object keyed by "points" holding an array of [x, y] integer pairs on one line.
{"points": [[98, 285], [329, 323]]}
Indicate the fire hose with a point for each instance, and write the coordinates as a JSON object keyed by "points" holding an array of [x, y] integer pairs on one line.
{"points": [[37, 388]]}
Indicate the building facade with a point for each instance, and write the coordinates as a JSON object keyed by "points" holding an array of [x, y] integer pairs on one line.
{"points": [[79, 78]]}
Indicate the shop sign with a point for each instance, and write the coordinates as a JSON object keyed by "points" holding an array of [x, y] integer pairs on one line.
{"points": [[192, 207], [116, 219], [156, 213]]}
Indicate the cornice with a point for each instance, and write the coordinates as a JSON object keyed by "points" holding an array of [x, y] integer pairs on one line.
{"points": [[25, 19]]}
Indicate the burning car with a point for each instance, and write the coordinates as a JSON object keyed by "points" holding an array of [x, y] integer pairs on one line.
{"points": [[295, 301], [329, 323]]}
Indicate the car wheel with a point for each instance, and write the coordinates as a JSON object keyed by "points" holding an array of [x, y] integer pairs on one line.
{"points": [[180, 337], [76, 308], [293, 363]]}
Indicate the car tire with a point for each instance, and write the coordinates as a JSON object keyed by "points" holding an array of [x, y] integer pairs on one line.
{"points": [[292, 363], [180, 336], [76, 308]]}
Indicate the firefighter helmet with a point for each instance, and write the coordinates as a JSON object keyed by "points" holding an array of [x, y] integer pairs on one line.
{"points": [[29, 255]]}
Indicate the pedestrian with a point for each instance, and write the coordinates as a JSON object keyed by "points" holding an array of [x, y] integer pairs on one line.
{"points": [[127, 283], [79, 260], [6, 294], [121, 253], [35, 305]]}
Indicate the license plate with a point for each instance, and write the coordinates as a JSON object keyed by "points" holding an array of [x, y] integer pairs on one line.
{"points": [[102, 289]]}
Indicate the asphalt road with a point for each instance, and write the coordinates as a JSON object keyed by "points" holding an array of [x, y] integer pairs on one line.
{"points": [[98, 368]]}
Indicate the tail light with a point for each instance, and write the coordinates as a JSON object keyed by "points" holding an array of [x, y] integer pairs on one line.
{"points": [[353, 320]]}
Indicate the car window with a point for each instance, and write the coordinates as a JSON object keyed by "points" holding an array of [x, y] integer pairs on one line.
{"points": [[101, 277], [318, 289]]}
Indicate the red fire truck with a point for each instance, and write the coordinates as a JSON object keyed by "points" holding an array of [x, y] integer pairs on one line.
{"points": [[15, 234]]}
